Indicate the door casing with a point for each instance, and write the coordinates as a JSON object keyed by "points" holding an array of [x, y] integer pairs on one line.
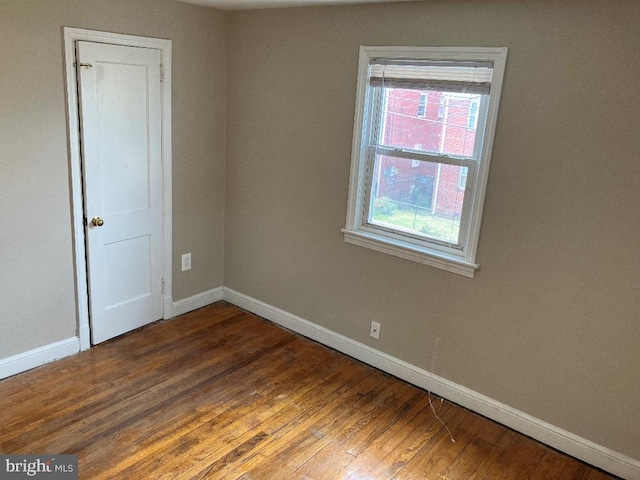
{"points": [[72, 35]]}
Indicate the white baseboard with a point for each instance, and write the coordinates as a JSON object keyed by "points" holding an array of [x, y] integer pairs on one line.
{"points": [[38, 356], [197, 301], [565, 441]]}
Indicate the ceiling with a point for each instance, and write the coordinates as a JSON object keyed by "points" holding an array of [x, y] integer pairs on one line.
{"points": [[254, 4]]}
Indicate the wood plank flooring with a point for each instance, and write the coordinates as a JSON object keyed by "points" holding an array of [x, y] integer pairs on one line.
{"points": [[220, 393]]}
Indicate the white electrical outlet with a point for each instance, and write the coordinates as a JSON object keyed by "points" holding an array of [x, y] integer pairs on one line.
{"points": [[375, 330], [186, 262]]}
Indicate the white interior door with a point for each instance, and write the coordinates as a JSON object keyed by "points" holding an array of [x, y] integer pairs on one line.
{"points": [[119, 93]]}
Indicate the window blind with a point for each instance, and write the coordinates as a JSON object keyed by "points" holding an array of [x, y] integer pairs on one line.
{"points": [[472, 78]]}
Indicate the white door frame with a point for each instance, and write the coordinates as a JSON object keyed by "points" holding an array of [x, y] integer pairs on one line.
{"points": [[72, 35]]}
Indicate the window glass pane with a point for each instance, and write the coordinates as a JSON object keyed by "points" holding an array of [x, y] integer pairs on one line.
{"points": [[441, 122], [425, 201]]}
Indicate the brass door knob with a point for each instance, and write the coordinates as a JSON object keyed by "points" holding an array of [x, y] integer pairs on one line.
{"points": [[97, 222]]}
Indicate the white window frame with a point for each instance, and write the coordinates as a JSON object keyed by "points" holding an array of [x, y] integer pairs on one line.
{"points": [[358, 230]]}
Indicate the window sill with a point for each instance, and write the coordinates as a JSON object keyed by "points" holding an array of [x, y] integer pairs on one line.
{"points": [[411, 252]]}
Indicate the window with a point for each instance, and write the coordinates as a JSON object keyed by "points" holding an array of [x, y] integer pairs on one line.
{"points": [[429, 214], [462, 180], [442, 106], [422, 106], [473, 114], [416, 163]]}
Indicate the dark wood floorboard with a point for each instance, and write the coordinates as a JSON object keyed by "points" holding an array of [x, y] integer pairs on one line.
{"points": [[220, 393]]}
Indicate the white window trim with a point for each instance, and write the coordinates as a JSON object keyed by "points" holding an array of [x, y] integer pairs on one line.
{"points": [[355, 232]]}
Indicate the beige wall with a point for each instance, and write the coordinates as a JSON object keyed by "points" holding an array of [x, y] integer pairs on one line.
{"points": [[37, 293], [550, 325]]}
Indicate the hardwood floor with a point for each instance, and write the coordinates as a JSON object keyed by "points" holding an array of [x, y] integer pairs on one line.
{"points": [[221, 393]]}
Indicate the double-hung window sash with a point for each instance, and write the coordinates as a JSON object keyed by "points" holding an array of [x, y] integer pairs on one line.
{"points": [[461, 82]]}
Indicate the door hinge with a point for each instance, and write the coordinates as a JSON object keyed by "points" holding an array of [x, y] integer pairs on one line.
{"points": [[163, 285], [161, 73]]}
